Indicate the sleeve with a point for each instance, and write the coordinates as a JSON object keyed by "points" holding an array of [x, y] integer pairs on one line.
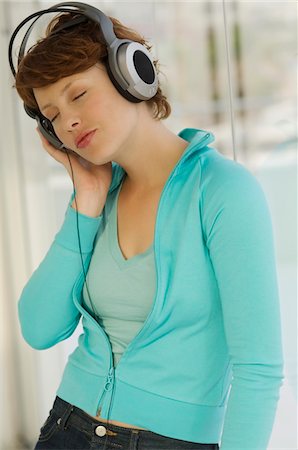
{"points": [[239, 238], [46, 310]]}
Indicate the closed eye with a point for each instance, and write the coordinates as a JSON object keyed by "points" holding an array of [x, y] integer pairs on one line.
{"points": [[80, 95], [52, 120], [75, 98]]}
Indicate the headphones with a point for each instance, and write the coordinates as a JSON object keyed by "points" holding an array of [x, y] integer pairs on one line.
{"points": [[129, 65]]}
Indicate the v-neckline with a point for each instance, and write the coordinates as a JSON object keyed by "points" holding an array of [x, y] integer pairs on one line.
{"points": [[114, 241]]}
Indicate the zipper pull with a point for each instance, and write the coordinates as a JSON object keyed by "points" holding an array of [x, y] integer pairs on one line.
{"points": [[110, 379]]}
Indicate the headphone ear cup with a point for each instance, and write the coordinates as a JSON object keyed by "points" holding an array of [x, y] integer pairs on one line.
{"points": [[119, 88], [45, 127], [132, 62], [31, 112], [47, 130]]}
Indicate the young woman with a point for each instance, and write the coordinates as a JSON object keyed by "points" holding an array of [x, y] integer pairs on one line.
{"points": [[181, 344]]}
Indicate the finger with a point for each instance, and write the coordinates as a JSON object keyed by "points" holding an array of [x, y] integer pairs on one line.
{"points": [[50, 148], [57, 154], [46, 144], [67, 158]]}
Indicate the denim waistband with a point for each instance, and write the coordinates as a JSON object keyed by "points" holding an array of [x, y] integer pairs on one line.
{"points": [[68, 414]]}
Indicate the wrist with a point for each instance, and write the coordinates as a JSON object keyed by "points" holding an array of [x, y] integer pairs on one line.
{"points": [[88, 203]]}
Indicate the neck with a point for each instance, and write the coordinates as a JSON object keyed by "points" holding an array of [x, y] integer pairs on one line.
{"points": [[150, 156]]}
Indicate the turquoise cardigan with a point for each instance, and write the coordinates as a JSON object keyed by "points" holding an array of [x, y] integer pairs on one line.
{"points": [[207, 365]]}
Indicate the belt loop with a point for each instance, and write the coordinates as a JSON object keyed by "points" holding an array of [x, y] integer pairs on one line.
{"points": [[62, 421]]}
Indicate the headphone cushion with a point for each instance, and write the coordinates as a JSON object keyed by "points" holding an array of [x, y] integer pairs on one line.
{"points": [[132, 62], [121, 91], [31, 112]]}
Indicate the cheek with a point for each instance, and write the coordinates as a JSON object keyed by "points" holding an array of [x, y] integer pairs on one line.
{"points": [[60, 134], [111, 108], [65, 138]]}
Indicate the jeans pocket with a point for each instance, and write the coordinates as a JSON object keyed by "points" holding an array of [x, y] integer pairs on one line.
{"points": [[49, 427]]}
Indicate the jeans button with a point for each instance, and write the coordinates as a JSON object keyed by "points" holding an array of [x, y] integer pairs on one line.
{"points": [[100, 430]]}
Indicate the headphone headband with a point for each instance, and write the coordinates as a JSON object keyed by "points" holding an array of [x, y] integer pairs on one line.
{"points": [[94, 14], [80, 8]]}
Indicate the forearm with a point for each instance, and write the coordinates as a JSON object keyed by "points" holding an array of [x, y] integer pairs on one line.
{"points": [[252, 406], [46, 310]]}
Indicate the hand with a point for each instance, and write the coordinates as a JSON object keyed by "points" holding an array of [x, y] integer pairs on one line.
{"points": [[87, 176]]}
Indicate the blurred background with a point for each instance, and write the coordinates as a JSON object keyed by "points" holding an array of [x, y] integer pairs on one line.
{"points": [[227, 67]]}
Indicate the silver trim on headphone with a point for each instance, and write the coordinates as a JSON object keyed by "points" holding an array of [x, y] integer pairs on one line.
{"points": [[121, 58]]}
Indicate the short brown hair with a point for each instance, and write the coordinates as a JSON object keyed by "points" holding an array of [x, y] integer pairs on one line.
{"points": [[71, 51]]}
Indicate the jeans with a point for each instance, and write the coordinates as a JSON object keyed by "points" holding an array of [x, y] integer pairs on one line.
{"points": [[69, 427]]}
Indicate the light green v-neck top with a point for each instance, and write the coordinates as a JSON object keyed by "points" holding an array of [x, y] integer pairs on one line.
{"points": [[121, 290]]}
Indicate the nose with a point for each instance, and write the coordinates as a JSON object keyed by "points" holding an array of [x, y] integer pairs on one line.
{"points": [[71, 123]]}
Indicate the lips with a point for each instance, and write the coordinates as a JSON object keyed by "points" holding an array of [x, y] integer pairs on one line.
{"points": [[84, 138]]}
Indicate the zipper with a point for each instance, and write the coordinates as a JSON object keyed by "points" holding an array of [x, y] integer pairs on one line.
{"points": [[148, 320], [112, 370], [109, 384], [150, 316], [86, 313], [111, 373]]}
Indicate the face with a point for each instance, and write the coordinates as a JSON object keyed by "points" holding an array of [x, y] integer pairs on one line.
{"points": [[88, 102]]}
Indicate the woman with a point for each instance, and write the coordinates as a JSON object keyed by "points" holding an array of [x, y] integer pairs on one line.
{"points": [[181, 346]]}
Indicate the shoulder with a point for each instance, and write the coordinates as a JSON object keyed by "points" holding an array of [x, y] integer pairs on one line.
{"points": [[231, 197], [224, 178]]}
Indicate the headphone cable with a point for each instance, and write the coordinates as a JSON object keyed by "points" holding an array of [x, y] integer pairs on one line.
{"points": [[79, 240]]}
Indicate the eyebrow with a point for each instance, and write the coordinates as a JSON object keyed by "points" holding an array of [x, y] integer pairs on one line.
{"points": [[62, 92]]}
